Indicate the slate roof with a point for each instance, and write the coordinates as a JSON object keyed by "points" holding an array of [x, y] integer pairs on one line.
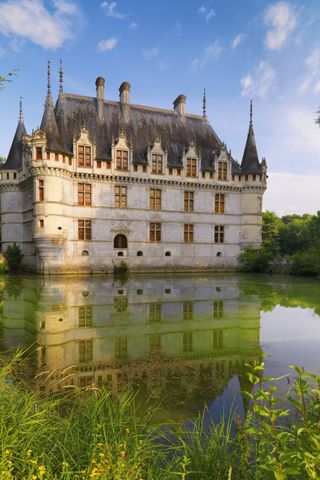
{"points": [[14, 160], [250, 160]]}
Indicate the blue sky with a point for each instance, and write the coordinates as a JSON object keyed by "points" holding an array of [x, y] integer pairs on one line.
{"points": [[237, 50]]}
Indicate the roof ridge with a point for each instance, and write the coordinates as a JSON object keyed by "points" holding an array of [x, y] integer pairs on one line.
{"points": [[134, 105]]}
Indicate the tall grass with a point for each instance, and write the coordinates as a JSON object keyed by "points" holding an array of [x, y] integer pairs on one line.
{"points": [[91, 435]]}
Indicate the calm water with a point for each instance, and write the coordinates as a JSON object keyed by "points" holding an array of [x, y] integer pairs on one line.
{"points": [[181, 341]]}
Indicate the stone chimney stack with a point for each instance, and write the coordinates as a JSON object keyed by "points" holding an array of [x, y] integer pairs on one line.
{"points": [[124, 92], [100, 97], [179, 105]]}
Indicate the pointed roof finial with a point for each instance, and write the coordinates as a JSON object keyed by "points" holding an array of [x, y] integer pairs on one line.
{"points": [[61, 78], [204, 105], [20, 111], [49, 99], [251, 110]]}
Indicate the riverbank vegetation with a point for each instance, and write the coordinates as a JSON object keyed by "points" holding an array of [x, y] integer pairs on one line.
{"points": [[290, 244], [88, 434]]}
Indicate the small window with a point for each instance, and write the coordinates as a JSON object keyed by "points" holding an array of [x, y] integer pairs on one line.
{"points": [[170, 171], [121, 347], [203, 174], [218, 309], [155, 232], [167, 254], [85, 316], [14, 175], [120, 304], [85, 253], [84, 156], [98, 164], [246, 178], [155, 312], [122, 158], [41, 223], [167, 291], [56, 157], [188, 201], [191, 167], [135, 168], [139, 291], [187, 310], [211, 175], [144, 168], [70, 161], [120, 198], [219, 234], [219, 254], [178, 172], [38, 153], [84, 229], [188, 233], [41, 190], [85, 293], [156, 163], [222, 171], [219, 203], [120, 241], [120, 254], [85, 351], [139, 253], [84, 194], [155, 198], [120, 291], [108, 165]]}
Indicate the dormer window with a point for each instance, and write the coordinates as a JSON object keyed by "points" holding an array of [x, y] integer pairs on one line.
{"points": [[157, 163], [222, 170], [84, 156], [122, 160], [191, 170]]}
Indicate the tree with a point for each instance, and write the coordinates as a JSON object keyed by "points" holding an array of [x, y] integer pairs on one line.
{"points": [[271, 228], [7, 78]]}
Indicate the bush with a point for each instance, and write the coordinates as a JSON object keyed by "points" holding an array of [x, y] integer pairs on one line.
{"points": [[252, 260], [14, 257], [306, 263]]}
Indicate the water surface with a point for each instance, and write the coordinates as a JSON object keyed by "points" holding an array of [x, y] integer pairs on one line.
{"points": [[179, 341]]}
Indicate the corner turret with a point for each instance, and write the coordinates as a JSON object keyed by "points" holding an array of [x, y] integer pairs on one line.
{"points": [[14, 160], [250, 160]]}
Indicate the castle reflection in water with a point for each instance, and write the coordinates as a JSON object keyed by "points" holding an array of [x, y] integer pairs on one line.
{"points": [[176, 339]]}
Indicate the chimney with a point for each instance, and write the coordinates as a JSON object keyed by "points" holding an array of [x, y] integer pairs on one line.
{"points": [[179, 105], [124, 91], [100, 97]]}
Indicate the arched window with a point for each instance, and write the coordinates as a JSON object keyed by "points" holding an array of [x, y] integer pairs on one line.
{"points": [[120, 241]]}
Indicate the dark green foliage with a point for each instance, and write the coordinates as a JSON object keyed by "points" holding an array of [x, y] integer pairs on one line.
{"points": [[14, 258], [253, 260], [306, 263]]}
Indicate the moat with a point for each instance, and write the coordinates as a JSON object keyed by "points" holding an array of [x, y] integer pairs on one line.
{"points": [[181, 342]]}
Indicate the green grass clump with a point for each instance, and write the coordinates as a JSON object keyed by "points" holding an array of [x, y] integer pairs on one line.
{"points": [[91, 435]]}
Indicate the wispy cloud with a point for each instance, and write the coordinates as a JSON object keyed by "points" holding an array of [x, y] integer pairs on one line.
{"points": [[162, 65], [150, 53], [110, 9], [258, 83], [281, 18], [30, 20], [133, 26], [237, 40], [210, 53], [107, 44], [206, 12], [313, 72]]}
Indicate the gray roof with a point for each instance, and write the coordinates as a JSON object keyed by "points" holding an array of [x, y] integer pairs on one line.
{"points": [[14, 160], [142, 126], [250, 160]]}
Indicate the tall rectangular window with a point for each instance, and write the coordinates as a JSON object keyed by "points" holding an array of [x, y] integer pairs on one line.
{"points": [[219, 234], [155, 198], [121, 347], [187, 310], [217, 338], [85, 316], [84, 194], [122, 157], [155, 312], [187, 342], [38, 153], [191, 167], [84, 229], [219, 202], [218, 309], [188, 201], [84, 156], [188, 233], [222, 171], [155, 232], [156, 163], [85, 350], [120, 197], [155, 343], [41, 190]]}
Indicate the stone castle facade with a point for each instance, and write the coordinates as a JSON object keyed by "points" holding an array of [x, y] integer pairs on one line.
{"points": [[103, 182]]}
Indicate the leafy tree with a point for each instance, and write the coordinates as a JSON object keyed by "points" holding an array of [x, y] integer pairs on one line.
{"points": [[271, 228], [14, 257], [7, 78]]}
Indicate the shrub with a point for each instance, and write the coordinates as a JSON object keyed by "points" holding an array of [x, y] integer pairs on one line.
{"points": [[306, 263], [252, 260], [14, 257]]}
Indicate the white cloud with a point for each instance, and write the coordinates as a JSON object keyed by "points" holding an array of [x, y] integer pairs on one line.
{"points": [[149, 53], [211, 52], [206, 13], [16, 44], [107, 44], [258, 83], [163, 65], [133, 26], [30, 20], [282, 20], [313, 71], [237, 40], [289, 193], [109, 9]]}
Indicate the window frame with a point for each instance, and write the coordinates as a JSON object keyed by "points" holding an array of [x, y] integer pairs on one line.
{"points": [[219, 234], [84, 229], [157, 163], [188, 201], [84, 194], [122, 159], [188, 233], [120, 196], [219, 203], [155, 198], [84, 155], [191, 167], [155, 229], [222, 170]]}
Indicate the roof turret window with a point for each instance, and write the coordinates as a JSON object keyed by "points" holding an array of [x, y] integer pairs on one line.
{"points": [[122, 157], [84, 156], [191, 170]]}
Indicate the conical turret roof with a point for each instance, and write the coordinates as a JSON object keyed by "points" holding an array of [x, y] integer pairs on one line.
{"points": [[250, 160], [14, 160]]}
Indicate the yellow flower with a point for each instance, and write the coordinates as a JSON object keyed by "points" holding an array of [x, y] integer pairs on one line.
{"points": [[65, 464], [34, 461], [29, 453], [7, 452], [122, 454], [34, 477], [42, 470]]}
